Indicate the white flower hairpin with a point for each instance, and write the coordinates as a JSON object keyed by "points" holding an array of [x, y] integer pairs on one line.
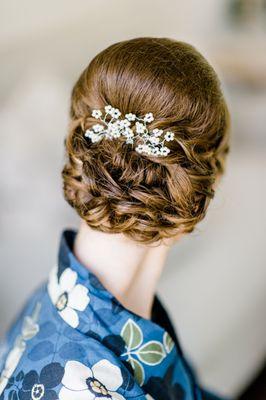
{"points": [[112, 127]]}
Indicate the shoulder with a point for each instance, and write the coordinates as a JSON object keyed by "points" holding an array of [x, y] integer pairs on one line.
{"points": [[45, 358]]}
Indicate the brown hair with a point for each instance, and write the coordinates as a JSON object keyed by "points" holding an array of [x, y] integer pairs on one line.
{"points": [[148, 198]]}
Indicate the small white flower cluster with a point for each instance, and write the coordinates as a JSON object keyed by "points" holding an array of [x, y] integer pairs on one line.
{"points": [[112, 127]]}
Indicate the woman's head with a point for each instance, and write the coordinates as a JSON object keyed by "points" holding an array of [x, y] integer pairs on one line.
{"points": [[113, 187]]}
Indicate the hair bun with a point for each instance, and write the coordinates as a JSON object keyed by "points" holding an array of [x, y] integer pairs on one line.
{"points": [[116, 189]]}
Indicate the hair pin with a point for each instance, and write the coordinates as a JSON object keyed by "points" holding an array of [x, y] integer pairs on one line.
{"points": [[111, 127]]}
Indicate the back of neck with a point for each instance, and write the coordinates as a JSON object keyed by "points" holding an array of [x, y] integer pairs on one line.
{"points": [[127, 269]]}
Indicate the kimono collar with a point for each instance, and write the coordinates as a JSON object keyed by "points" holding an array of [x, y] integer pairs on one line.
{"points": [[149, 346]]}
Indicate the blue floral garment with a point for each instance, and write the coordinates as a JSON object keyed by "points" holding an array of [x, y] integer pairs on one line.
{"points": [[75, 341]]}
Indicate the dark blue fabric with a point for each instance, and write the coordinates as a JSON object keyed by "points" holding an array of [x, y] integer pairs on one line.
{"points": [[74, 341]]}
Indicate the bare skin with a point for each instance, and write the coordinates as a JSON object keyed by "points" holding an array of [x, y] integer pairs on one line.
{"points": [[129, 270]]}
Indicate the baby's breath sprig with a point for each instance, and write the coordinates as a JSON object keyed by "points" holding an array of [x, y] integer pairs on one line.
{"points": [[112, 127]]}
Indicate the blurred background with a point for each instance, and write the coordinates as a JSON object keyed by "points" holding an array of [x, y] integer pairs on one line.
{"points": [[214, 282]]}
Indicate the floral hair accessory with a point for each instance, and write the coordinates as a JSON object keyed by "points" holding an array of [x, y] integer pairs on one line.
{"points": [[132, 128]]}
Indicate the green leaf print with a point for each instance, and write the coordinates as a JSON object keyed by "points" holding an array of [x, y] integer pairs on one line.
{"points": [[132, 334], [151, 353], [138, 370], [168, 342]]}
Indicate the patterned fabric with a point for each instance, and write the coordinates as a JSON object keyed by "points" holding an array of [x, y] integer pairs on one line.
{"points": [[75, 341]]}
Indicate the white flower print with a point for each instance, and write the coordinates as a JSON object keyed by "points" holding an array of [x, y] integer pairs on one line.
{"points": [[129, 141], [93, 136], [115, 113], [113, 128], [154, 140], [98, 128], [156, 151], [83, 383], [108, 109], [29, 329], [140, 128], [130, 117], [148, 117], [67, 296], [157, 132], [140, 148], [164, 151], [11, 364], [169, 136], [96, 114], [124, 123]]}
